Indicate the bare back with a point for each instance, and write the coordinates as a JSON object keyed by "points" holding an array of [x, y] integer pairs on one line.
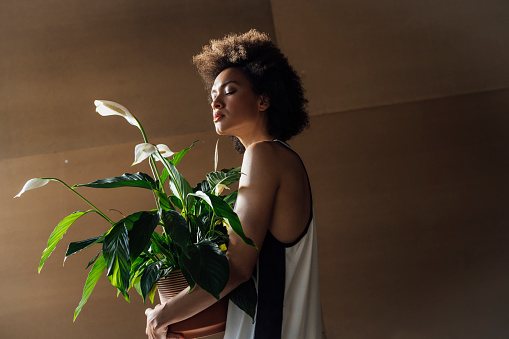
{"points": [[292, 202], [292, 205]]}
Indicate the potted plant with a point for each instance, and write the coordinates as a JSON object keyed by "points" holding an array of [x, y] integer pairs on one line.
{"points": [[187, 230]]}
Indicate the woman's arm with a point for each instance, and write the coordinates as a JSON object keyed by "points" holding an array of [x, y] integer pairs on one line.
{"points": [[258, 187]]}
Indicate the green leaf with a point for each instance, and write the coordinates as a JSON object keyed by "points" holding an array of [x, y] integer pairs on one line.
{"points": [[136, 266], [139, 237], [95, 258], [164, 201], [245, 297], [222, 209], [201, 224], [77, 246], [176, 227], [151, 275], [179, 155], [176, 159], [137, 272], [116, 255], [208, 267], [131, 219], [164, 176], [58, 233], [136, 282], [126, 180], [160, 246], [203, 186], [178, 184], [225, 177], [93, 276], [176, 202], [185, 273], [231, 198], [152, 293]]}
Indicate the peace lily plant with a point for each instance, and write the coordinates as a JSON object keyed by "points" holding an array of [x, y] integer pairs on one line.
{"points": [[193, 227]]}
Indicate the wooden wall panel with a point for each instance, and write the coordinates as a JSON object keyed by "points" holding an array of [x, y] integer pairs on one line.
{"points": [[357, 54], [57, 57], [411, 206]]}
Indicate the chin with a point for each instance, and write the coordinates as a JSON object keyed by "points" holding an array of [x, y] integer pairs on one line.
{"points": [[219, 131]]}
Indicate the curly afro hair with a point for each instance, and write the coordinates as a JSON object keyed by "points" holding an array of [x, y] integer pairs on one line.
{"points": [[269, 72]]}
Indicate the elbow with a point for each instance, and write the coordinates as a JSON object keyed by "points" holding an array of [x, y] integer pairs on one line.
{"points": [[245, 275], [240, 275], [242, 265]]}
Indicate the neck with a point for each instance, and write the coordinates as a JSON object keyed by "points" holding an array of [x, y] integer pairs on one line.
{"points": [[253, 134], [252, 139]]}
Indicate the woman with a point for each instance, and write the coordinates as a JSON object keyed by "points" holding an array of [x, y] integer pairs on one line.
{"points": [[257, 97]]}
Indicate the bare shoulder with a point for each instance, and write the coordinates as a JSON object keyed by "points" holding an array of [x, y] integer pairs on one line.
{"points": [[271, 152], [262, 149], [269, 160], [259, 164]]}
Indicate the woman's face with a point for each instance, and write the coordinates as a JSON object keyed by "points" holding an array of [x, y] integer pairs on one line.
{"points": [[236, 109]]}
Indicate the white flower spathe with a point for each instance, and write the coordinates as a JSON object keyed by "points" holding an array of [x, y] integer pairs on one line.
{"points": [[31, 184], [216, 157], [226, 224], [164, 150], [144, 150], [105, 108], [219, 189]]}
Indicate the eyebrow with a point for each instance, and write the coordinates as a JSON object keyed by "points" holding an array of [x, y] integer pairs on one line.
{"points": [[224, 85]]}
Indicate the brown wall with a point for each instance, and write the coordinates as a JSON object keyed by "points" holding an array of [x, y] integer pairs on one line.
{"points": [[408, 152]]}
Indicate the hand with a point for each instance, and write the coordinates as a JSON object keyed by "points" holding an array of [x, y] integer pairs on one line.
{"points": [[152, 329]]}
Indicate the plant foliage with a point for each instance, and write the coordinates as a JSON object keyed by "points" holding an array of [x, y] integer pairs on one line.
{"points": [[187, 230]]}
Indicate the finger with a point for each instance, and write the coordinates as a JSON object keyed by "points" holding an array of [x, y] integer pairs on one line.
{"points": [[147, 311], [149, 331]]}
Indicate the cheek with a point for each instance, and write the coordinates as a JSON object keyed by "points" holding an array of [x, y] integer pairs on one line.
{"points": [[246, 110]]}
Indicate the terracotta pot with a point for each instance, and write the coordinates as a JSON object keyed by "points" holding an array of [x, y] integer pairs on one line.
{"points": [[209, 321]]}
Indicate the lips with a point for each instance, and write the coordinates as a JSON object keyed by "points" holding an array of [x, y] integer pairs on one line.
{"points": [[217, 116]]}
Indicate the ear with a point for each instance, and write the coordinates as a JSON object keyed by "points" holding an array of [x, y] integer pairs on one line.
{"points": [[264, 103]]}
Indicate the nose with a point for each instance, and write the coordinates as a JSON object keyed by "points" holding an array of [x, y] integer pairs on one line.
{"points": [[217, 103]]}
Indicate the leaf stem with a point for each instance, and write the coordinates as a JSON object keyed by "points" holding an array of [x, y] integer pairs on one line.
{"points": [[141, 129], [82, 197], [153, 166]]}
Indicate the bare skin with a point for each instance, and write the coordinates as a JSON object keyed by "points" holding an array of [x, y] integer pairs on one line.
{"points": [[273, 194]]}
